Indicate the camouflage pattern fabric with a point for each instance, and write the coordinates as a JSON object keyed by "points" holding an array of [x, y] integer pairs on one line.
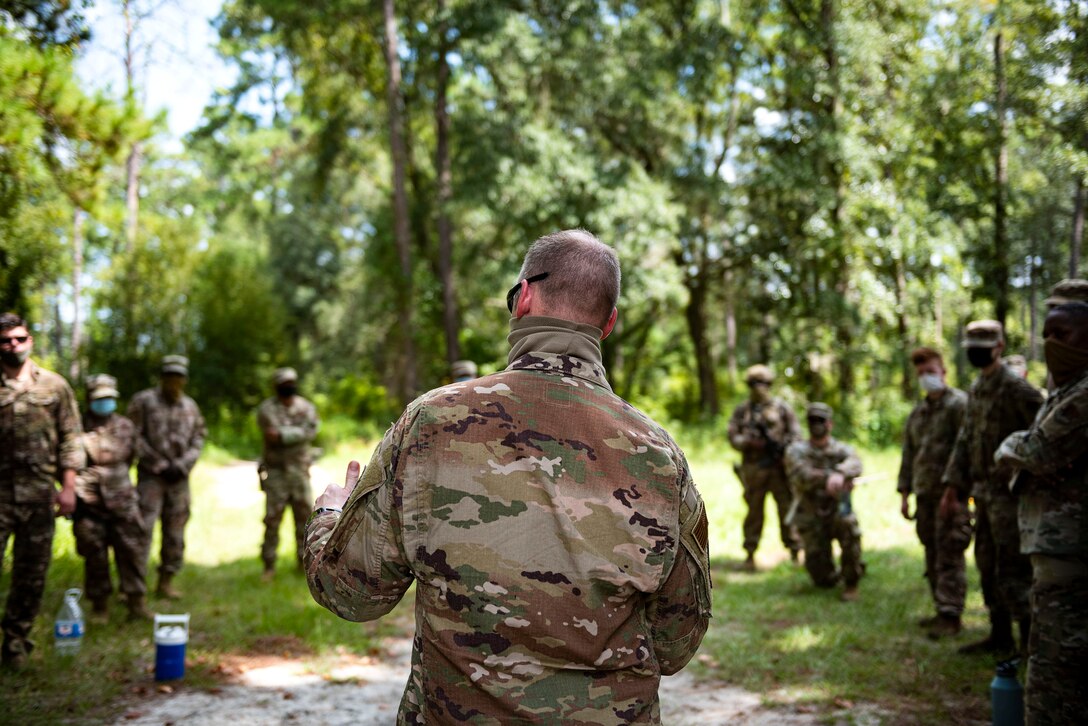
{"points": [[39, 438], [168, 434], [760, 472], [286, 466], [928, 437], [108, 509], [557, 542], [997, 405], [1056, 691], [819, 517]]}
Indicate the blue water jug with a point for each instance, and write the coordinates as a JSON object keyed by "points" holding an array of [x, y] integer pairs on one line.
{"points": [[1006, 695], [171, 636]]}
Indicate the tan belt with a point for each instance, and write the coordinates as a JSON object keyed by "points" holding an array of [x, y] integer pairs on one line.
{"points": [[1058, 569]]}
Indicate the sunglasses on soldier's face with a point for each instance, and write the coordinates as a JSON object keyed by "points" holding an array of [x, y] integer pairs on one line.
{"points": [[14, 339], [515, 288]]}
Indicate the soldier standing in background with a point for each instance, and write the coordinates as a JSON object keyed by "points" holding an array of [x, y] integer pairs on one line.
{"points": [[762, 428], [928, 438], [822, 471], [39, 446], [999, 403], [1052, 485], [1070, 290], [170, 435], [462, 370], [288, 424], [108, 510]]}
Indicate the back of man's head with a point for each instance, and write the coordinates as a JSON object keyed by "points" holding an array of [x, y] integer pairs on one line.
{"points": [[583, 282], [12, 320]]}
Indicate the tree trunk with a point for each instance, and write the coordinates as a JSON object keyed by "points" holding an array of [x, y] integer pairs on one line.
{"points": [[1078, 228], [77, 292], [1033, 325], [695, 312], [1001, 181], [730, 329], [401, 235], [135, 155], [450, 322]]}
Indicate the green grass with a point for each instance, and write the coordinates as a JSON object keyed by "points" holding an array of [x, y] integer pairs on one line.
{"points": [[772, 631]]}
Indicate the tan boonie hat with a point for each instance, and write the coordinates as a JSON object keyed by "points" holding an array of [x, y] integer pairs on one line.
{"points": [[983, 334], [463, 369], [178, 364], [102, 386], [1067, 291], [759, 374], [819, 410], [283, 375]]}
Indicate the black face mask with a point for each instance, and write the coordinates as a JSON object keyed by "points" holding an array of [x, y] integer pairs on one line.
{"points": [[287, 390], [980, 357]]}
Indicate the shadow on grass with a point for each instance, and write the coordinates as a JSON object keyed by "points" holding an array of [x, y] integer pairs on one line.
{"points": [[233, 613], [775, 633]]}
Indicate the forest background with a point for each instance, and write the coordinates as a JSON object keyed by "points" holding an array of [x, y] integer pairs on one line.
{"points": [[816, 184]]}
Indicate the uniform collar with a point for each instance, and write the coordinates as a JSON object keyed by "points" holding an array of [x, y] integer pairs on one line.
{"points": [[33, 372], [554, 345]]}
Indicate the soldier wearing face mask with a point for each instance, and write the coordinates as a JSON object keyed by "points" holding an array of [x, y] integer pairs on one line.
{"points": [[928, 437], [288, 424], [107, 507], [762, 428], [999, 403], [1052, 484]]}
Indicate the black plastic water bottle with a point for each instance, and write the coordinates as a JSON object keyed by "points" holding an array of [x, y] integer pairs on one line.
{"points": [[1006, 695]]}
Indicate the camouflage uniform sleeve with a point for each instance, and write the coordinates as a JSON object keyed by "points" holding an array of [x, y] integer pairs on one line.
{"points": [[196, 441], [1057, 441], [1029, 401], [679, 612], [956, 471], [850, 467], [793, 425], [149, 456], [803, 476], [735, 434], [290, 435], [355, 562], [906, 464], [70, 452]]}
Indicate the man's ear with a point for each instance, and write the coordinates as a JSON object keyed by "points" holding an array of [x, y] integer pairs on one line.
{"points": [[525, 300], [610, 324]]}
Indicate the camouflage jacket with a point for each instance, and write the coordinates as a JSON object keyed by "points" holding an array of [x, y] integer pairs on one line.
{"points": [[110, 444], [809, 466], [557, 542], [39, 436], [774, 420], [297, 425], [166, 433], [1054, 498], [997, 405], [928, 438]]}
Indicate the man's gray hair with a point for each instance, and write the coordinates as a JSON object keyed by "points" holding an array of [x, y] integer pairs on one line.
{"points": [[583, 282]]}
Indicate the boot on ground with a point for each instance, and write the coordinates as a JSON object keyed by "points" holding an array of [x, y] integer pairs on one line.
{"points": [[100, 611], [269, 574], [749, 563], [137, 608], [929, 621], [946, 626], [850, 594], [166, 588], [998, 641]]}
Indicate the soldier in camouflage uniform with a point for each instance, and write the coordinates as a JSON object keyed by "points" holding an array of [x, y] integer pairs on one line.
{"points": [[1053, 490], [822, 471], [555, 536], [288, 424], [762, 428], [108, 510], [928, 437], [170, 435], [999, 403], [462, 370], [39, 446]]}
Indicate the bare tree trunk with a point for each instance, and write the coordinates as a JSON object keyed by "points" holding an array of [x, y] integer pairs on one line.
{"points": [[730, 329], [1033, 325], [1001, 182], [401, 234], [135, 155], [77, 292], [1078, 228], [695, 313], [445, 193]]}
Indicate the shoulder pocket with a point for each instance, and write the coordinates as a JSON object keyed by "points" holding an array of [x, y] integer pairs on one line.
{"points": [[694, 538]]}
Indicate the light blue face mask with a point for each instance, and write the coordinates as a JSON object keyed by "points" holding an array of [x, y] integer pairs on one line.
{"points": [[103, 406]]}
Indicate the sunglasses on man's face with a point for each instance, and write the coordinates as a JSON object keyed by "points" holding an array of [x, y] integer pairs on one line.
{"points": [[514, 290], [5, 340]]}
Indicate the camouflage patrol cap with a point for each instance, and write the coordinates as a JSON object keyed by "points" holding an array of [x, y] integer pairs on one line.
{"points": [[102, 386], [283, 375], [983, 334], [819, 410], [463, 369], [176, 364], [759, 374], [1070, 290]]}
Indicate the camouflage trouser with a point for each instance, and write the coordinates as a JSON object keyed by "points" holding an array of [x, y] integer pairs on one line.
{"points": [[32, 525], [171, 503], [1057, 690], [945, 543], [97, 528], [817, 534], [1005, 574], [283, 487], [757, 483]]}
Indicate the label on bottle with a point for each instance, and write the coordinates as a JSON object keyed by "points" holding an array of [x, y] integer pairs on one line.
{"points": [[68, 629]]}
